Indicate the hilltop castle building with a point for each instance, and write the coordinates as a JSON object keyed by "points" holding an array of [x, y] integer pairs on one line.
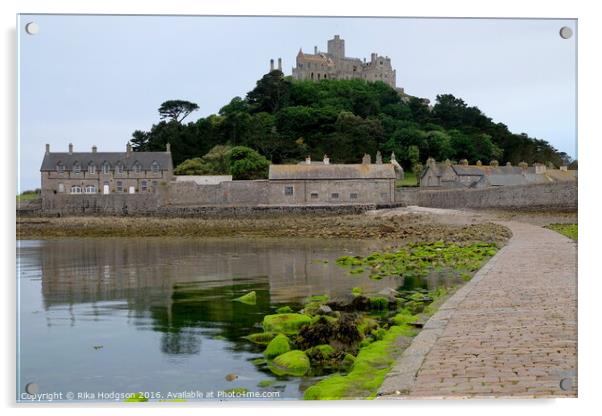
{"points": [[335, 65]]}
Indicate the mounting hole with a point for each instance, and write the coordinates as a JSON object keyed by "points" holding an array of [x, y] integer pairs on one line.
{"points": [[566, 32], [32, 28], [566, 384], [31, 388]]}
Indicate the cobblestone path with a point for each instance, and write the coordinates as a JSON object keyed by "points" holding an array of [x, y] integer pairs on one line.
{"points": [[510, 332]]}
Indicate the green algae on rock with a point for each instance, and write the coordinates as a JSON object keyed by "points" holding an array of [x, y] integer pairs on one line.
{"points": [[261, 338], [279, 345], [367, 373], [294, 363], [286, 323], [248, 298]]}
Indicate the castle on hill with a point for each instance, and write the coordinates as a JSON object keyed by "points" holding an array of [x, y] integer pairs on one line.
{"points": [[333, 64]]}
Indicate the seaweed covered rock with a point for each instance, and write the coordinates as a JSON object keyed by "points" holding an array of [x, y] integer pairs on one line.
{"points": [[285, 309], [321, 331], [261, 338], [294, 363], [279, 345], [320, 352], [286, 323], [248, 298]]}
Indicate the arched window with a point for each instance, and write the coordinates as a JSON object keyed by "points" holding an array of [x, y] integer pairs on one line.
{"points": [[155, 167], [77, 168], [91, 168], [76, 189], [106, 167], [118, 167], [90, 189], [60, 168], [136, 168]]}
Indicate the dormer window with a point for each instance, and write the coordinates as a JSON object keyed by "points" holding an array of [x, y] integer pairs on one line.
{"points": [[77, 168], [106, 167], [91, 168], [118, 168], [155, 167], [137, 168], [60, 168]]}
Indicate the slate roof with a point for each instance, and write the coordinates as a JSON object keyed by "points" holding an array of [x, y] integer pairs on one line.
{"points": [[98, 158], [332, 171]]}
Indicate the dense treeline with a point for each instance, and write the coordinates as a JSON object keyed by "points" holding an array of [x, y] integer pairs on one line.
{"points": [[285, 120]]}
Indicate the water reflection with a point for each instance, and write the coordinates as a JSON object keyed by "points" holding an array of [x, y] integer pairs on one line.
{"points": [[119, 292]]}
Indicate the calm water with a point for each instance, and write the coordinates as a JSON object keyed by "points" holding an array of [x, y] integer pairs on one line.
{"points": [[115, 295]]}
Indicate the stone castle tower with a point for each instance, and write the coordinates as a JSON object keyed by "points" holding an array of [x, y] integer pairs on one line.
{"points": [[335, 65]]}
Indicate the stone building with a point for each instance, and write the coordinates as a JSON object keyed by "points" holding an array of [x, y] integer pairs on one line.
{"points": [[104, 173], [310, 183], [463, 175], [335, 65]]}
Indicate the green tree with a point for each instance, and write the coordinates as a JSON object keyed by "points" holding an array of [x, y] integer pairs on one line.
{"points": [[246, 163], [215, 162], [271, 93], [413, 155], [177, 110]]}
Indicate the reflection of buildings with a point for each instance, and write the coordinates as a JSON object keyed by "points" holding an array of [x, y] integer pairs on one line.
{"points": [[142, 273]]}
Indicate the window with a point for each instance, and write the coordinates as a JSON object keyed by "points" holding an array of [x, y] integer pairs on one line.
{"points": [[91, 168], [334, 195], [288, 190], [353, 195], [60, 168], [119, 186], [77, 168], [314, 195], [106, 167], [90, 189], [137, 168], [76, 189], [118, 168], [155, 167], [143, 186]]}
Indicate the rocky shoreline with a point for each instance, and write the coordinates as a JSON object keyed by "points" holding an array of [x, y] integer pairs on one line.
{"points": [[407, 228]]}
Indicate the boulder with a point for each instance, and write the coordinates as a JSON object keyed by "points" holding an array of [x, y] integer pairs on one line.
{"points": [[294, 363], [279, 345], [285, 323]]}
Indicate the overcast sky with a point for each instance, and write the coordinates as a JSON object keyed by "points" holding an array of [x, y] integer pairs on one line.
{"points": [[95, 79]]}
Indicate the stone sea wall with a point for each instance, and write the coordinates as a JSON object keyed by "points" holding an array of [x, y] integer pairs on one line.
{"points": [[560, 195]]}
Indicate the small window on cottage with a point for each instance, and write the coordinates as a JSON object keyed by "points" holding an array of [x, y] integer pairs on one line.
{"points": [[314, 195], [288, 190], [353, 195], [77, 168], [119, 186], [137, 168], [143, 186], [75, 189], [334, 195], [60, 168], [155, 167], [92, 168], [106, 168], [90, 189]]}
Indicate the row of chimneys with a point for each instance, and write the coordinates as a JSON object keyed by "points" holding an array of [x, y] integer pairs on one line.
{"points": [[539, 167], [128, 148], [279, 64], [366, 160]]}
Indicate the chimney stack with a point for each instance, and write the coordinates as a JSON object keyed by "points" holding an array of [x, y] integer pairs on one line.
{"points": [[128, 149], [271, 65], [70, 148], [280, 64], [326, 160], [47, 148], [315, 50], [168, 148], [540, 168], [366, 160], [94, 149], [308, 160], [379, 158], [393, 157], [562, 168]]}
